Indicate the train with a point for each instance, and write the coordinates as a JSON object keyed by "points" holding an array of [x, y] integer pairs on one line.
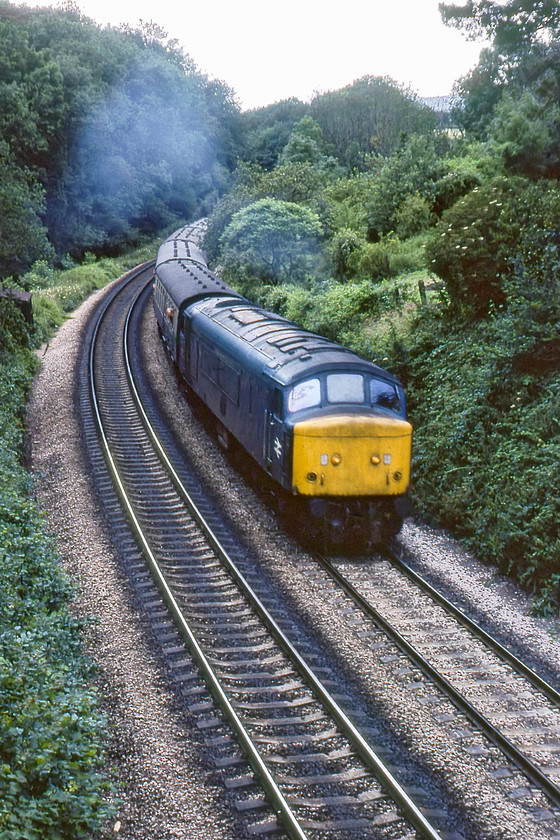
{"points": [[324, 429]]}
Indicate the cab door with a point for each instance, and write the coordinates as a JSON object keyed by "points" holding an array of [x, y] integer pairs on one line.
{"points": [[274, 437]]}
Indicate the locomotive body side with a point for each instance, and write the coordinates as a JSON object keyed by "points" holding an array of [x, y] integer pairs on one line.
{"points": [[320, 420]]}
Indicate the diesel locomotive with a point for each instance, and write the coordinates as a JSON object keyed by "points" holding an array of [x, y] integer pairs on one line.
{"points": [[326, 429]]}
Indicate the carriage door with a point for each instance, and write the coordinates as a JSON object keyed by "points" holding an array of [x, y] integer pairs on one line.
{"points": [[183, 359], [274, 437]]}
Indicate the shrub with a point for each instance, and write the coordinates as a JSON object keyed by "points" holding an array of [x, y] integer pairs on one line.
{"points": [[499, 244], [387, 258], [342, 247], [487, 447], [51, 784], [271, 239], [472, 248], [413, 216]]}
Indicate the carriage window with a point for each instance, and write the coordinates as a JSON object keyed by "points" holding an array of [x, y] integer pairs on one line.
{"points": [[345, 388], [385, 395], [304, 395]]}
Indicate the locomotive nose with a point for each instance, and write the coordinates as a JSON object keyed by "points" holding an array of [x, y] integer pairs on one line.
{"points": [[352, 455]]}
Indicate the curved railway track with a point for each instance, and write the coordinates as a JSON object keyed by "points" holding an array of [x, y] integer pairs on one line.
{"points": [[307, 770], [319, 774]]}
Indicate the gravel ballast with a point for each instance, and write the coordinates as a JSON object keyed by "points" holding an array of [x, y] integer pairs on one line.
{"points": [[167, 785]]}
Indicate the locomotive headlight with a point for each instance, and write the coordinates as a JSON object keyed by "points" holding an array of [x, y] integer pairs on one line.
{"points": [[336, 460], [375, 460]]}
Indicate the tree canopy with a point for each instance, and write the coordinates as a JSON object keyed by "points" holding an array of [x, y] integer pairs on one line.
{"points": [[108, 132], [276, 240], [512, 26]]}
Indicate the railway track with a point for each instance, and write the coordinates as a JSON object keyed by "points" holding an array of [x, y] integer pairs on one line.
{"points": [[306, 769], [516, 709], [313, 773]]}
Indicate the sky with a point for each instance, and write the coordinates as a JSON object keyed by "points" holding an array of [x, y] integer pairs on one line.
{"points": [[272, 51]]}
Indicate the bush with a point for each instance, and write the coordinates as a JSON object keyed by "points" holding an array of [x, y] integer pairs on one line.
{"points": [[387, 258], [52, 781], [498, 244], [271, 239], [413, 216], [473, 247], [51, 784], [487, 443]]}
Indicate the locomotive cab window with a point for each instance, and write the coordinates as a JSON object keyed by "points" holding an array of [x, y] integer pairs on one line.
{"points": [[345, 388], [385, 395], [305, 395]]}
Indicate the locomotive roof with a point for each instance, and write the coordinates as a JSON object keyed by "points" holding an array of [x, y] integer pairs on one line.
{"points": [[280, 348]]}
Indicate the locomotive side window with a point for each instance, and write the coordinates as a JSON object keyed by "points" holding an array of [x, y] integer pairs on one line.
{"points": [[345, 388], [385, 395], [305, 395]]}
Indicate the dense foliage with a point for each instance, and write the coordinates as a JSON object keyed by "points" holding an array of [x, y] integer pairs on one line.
{"points": [[106, 134], [486, 400], [51, 785]]}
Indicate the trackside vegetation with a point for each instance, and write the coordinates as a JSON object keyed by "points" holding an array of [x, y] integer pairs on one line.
{"points": [[53, 780], [50, 731], [427, 241]]}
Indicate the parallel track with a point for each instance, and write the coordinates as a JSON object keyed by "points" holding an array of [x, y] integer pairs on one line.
{"points": [[320, 774], [548, 783]]}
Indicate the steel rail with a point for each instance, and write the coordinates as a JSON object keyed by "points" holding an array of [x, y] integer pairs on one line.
{"points": [[278, 801], [506, 655], [409, 809], [540, 779]]}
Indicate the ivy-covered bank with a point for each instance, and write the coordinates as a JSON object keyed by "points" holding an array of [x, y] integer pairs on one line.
{"points": [[53, 784], [487, 444]]}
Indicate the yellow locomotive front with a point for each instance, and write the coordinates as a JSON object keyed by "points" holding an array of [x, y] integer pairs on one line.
{"points": [[350, 455]]}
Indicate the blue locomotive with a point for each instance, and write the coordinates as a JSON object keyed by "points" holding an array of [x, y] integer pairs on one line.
{"points": [[325, 426]]}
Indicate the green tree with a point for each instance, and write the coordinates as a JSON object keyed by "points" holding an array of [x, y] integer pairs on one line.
{"points": [[369, 117], [274, 240], [525, 131], [23, 236], [421, 172], [267, 130], [307, 145], [122, 131], [524, 55], [498, 246], [513, 25]]}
